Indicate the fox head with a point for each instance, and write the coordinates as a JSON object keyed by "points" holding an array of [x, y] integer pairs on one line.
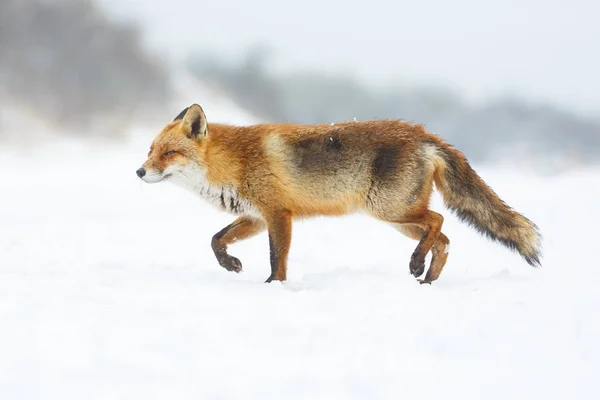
{"points": [[177, 150]]}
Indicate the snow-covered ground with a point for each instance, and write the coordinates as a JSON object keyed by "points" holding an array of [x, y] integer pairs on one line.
{"points": [[109, 290]]}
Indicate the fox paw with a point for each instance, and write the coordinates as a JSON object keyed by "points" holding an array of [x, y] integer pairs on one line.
{"points": [[231, 263], [272, 278], [417, 266]]}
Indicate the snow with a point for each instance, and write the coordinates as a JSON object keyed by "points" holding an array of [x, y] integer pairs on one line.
{"points": [[109, 290]]}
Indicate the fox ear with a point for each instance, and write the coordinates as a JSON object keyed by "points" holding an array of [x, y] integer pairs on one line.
{"points": [[193, 122], [180, 116]]}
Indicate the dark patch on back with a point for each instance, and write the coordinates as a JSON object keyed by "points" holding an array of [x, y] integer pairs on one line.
{"points": [[333, 144], [316, 153], [181, 114], [385, 162]]}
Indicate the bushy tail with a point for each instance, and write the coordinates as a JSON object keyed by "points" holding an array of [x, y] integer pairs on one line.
{"points": [[474, 202]]}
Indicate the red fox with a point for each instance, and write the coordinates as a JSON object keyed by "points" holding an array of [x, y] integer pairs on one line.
{"points": [[270, 174]]}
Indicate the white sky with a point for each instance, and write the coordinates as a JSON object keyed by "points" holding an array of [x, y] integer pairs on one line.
{"points": [[543, 50]]}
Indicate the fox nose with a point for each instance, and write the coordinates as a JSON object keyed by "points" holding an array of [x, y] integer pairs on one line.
{"points": [[141, 172]]}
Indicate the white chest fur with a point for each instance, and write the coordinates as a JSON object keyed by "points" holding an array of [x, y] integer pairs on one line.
{"points": [[227, 198]]}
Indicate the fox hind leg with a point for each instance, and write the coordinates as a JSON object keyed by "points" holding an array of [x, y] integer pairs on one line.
{"points": [[439, 258], [439, 251], [400, 194], [241, 228], [417, 233]]}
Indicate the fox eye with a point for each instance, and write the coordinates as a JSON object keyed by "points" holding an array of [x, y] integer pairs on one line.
{"points": [[168, 153]]}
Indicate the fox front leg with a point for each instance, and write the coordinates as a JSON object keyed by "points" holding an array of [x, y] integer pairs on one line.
{"points": [[280, 237], [242, 228]]}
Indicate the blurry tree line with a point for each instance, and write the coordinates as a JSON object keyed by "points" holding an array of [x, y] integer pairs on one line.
{"points": [[74, 67], [506, 127], [68, 63]]}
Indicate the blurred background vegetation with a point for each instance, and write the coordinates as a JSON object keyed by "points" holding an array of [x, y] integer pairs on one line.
{"points": [[485, 132], [70, 66]]}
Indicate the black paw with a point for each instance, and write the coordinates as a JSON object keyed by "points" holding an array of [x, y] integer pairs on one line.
{"points": [[273, 278], [230, 263], [417, 266]]}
